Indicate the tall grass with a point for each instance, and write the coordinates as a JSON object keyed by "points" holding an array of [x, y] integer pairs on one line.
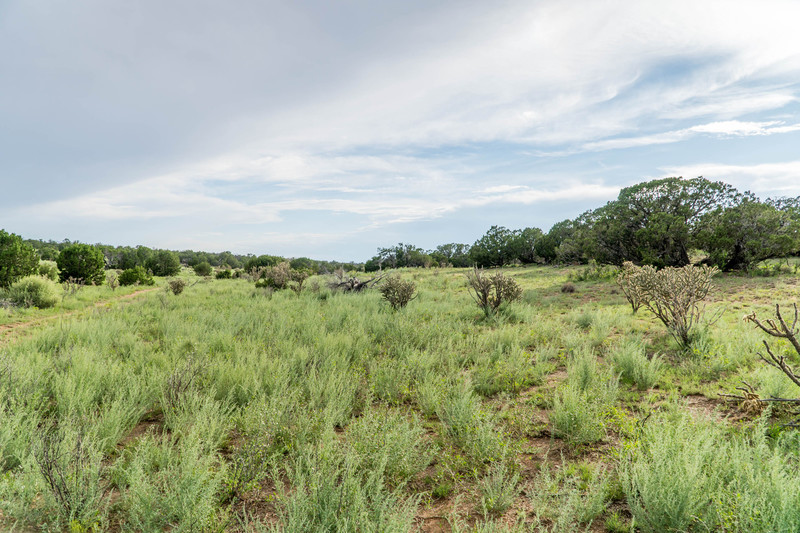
{"points": [[633, 365], [685, 474]]}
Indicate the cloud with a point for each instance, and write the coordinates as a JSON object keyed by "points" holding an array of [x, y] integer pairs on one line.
{"points": [[730, 128], [764, 179], [271, 115]]}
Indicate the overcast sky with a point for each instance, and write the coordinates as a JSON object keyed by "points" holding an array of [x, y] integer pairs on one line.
{"points": [[327, 129]]}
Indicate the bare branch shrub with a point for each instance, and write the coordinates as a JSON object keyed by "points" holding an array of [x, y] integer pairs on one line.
{"points": [[491, 291], [72, 286], [398, 292], [178, 384], [71, 475], [779, 328], [672, 294]]}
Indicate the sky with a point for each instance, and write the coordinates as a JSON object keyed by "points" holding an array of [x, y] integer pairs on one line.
{"points": [[329, 129]]}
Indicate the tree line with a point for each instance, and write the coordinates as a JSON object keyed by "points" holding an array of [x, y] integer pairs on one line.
{"points": [[659, 222], [74, 260]]}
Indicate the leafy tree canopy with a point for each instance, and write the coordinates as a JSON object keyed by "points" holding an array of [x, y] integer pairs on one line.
{"points": [[83, 262], [17, 259]]}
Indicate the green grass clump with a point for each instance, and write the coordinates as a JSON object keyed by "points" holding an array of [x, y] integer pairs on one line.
{"points": [[391, 441], [634, 366], [581, 406], [470, 426], [331, 492], [498, 489], [684, 474], [170, 483]]}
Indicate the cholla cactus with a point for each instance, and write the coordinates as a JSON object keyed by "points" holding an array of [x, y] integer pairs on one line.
{"points": [[398, 292], [489, 292], [628, 283], [672, 294]]}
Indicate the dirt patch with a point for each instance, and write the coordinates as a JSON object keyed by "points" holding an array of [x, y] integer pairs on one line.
{"points": [[697, 404]]}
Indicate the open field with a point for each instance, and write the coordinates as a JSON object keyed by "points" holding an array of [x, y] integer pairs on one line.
{"points": [[230, 408]]}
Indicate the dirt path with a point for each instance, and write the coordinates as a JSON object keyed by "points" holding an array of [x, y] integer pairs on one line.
{"points": [[6, 330]]}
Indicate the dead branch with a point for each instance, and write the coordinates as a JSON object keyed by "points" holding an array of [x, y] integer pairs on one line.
{"points": [[353, 284], [780, 328]]}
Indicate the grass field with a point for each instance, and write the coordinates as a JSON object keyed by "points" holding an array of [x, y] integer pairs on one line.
{"points": [[230, 408]]}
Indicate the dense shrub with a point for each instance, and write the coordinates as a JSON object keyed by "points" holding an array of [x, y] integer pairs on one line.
{"points": [[280, 276], [224, 274], [136, 276], [397, 291], [17, 259], [34, 291], [594, 272], [82, 262], [49, 270], [203, 269]]}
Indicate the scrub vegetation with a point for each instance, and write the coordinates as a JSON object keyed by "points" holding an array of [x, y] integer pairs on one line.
{"points": [[232, 407]]}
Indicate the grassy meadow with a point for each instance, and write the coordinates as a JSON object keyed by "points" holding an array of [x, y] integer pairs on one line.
{"points": [[234, 409]]}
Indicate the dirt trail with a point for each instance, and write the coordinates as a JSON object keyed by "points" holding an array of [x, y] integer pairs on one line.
{"points": [[7, 329]]}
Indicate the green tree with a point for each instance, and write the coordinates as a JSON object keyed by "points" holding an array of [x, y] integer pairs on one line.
{"points": [[164, 263], [203, 269], [739, 237], [304, 263], [495, 248], [523, 245], [261, 261], [456, 254], [655, 222], [82, 261], [17, 259]]}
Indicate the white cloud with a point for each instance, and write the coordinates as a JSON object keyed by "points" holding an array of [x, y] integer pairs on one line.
{"points": [[400, 116], [730, 128], [766, 179]]}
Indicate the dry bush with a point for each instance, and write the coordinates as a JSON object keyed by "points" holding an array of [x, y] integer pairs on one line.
{"points": [[176, 286], [71, 286], [276, 277], [672, 294], [491, 291], [298, 277], [398, 292]]}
